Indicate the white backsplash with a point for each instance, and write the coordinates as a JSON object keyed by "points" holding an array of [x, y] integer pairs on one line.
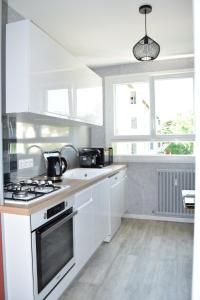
{"points": [[28, 140]]}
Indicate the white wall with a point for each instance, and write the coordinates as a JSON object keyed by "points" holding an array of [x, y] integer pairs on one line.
{"points": [[196, 261], [143, 186]]}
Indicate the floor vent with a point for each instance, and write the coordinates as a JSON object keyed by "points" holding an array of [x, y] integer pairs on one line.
{"points": [[170, 185]]}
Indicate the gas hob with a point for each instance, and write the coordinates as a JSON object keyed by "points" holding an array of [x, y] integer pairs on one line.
{"points": [[26, 191]]}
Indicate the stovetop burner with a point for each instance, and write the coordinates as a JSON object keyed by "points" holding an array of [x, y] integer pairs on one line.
{"points": [[44, 189], [28, 190], [20, 194]]}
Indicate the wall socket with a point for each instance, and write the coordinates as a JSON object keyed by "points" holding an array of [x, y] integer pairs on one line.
{"points": [[25, 163]]}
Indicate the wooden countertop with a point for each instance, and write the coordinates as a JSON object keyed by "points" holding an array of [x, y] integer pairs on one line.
{"points": [[58, 196]]}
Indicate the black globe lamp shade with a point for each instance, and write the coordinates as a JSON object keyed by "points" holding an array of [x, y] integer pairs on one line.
{"points": [[146, 49]]}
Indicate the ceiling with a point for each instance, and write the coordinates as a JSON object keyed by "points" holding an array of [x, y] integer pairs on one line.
{"points": [[103, 32]]}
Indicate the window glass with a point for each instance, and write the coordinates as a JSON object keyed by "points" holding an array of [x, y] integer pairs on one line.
{"points": [[174, 106], [153, 148], [132, 109]]}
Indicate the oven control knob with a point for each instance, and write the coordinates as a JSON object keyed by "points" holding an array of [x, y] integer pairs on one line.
{"points": [[42, 182], [45, 215]]}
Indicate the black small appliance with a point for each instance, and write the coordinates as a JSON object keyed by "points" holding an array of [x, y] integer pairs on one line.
{"points": [[56, 165], [95, 157]]}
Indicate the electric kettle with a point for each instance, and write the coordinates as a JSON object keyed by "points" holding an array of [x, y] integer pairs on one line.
{"points": [[56, 165]]}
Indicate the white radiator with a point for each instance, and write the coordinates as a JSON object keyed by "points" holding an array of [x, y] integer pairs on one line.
{"points": [[170, 185]]}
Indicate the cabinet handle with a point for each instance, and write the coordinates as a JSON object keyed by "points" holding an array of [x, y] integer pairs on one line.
{"points": [[113, 175], [53, 227]]}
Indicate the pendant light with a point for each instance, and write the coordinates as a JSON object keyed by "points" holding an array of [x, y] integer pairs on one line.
{"points": [[146, 48]]}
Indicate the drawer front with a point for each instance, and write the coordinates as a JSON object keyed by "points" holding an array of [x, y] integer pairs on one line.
{"points": [[114, 179], [83, 197]]}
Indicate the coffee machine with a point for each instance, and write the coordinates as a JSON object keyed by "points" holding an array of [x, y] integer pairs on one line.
{"points": [[96, 157], [56, 165]]}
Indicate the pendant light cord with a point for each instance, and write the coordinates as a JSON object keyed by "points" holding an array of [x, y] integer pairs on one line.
{"points": [[145, 22]]}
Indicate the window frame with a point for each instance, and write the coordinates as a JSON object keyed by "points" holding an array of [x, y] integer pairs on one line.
{"points": [[110, 81]]}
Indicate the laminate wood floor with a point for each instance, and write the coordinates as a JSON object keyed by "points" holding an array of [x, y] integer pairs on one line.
{"points": [[145, 260]]}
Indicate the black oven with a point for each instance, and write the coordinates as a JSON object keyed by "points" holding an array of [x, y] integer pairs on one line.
{"points": [[53, 249]]}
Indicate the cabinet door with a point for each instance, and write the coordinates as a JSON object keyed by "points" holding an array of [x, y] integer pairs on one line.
{"points": [[17, 67], [50, 69], [123, 188], [100, 198], [60, 83], [115, 206], [84, 230], [88, 97]]}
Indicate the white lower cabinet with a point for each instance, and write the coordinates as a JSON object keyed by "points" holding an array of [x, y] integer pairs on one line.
{"points": [[115, 205], [116, 202], [100, 196], [99, 214], [91, 222], [123, 189], [84, 220]]}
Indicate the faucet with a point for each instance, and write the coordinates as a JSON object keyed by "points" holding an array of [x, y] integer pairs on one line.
{"points": [[33, 146], [70, 146], [43, 158]]}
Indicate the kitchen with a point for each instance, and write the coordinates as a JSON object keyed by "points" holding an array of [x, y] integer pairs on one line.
{"points": [[32, 128]]}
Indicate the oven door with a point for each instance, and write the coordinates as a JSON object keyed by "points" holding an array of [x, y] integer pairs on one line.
{"points": [[53, 252]]}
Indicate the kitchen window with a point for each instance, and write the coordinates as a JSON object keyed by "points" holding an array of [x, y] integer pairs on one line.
{"points": [[150, 115]]}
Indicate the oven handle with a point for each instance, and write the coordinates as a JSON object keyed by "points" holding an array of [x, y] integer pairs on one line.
{"points": [[55, 226]]}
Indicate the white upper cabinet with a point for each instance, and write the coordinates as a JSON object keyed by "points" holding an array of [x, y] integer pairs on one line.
{"points": [[42, 77]]}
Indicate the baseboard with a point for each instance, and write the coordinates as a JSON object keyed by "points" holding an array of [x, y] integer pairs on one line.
{"points": [[158, 218]]}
